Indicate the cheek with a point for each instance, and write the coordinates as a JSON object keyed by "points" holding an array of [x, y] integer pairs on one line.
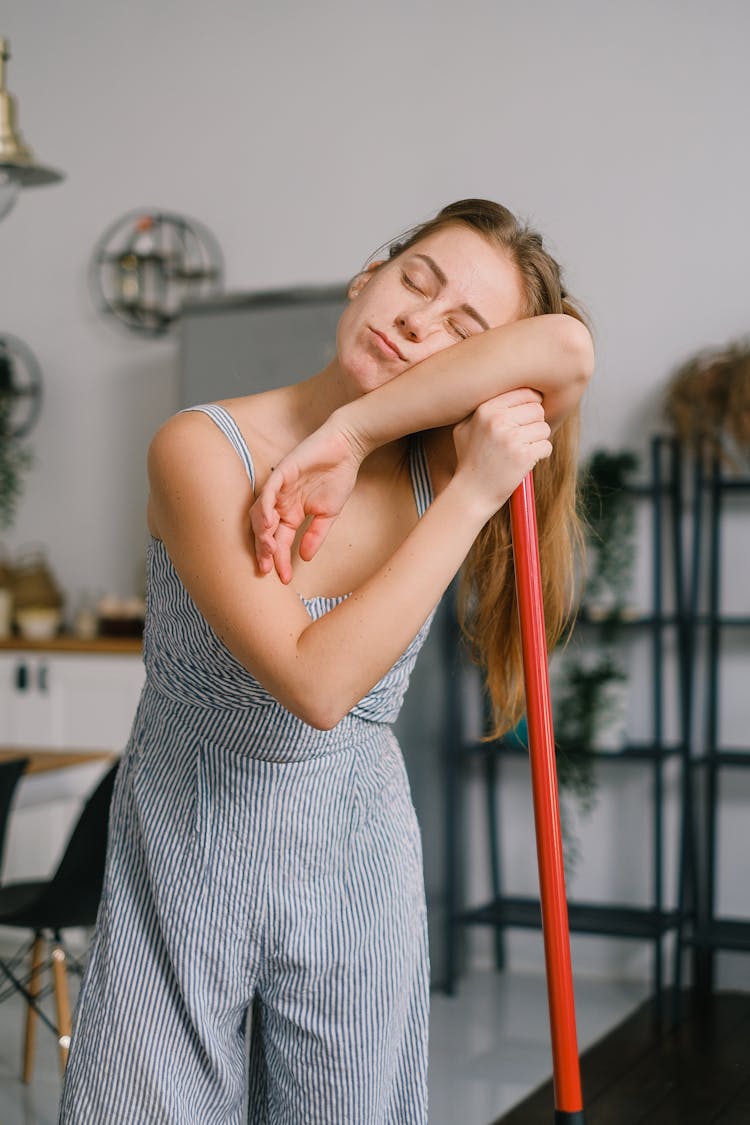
{"points": [[343, 326]]}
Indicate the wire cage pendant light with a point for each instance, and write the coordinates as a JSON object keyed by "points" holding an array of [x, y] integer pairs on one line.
{"points": [[18, 168]]}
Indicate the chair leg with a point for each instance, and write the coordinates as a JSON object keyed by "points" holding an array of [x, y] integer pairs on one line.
{"points": [[62, 1000], [29, 1045]]}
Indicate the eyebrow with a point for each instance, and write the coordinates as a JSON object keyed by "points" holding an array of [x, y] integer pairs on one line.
{"points": [[443, 281]]}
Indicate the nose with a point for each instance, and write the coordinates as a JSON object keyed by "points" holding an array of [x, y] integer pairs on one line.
{"points": [[413, 324]]}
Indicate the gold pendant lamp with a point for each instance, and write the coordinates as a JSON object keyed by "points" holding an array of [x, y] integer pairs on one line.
{"points": [[17, 165]]}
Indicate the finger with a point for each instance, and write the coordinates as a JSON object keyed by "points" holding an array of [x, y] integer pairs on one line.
{"points": [[314, 536], [525, 413], [541, 450], [535, 431], [263, 535], [282, 558], [517, 397], [264, 552], [265, 506]]}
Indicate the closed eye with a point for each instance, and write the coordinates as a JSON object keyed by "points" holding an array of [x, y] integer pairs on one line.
{"points": [[411, 284], [458, 330]]}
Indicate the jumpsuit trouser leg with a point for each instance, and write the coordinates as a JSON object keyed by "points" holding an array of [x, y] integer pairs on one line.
{"points": [[294, 888]]}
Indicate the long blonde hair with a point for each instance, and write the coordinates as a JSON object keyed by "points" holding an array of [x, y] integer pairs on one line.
{"points": [[487, 598]]}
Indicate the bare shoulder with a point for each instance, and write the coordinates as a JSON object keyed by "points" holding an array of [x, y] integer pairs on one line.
{"points": [[193, 470], [189, 441]]}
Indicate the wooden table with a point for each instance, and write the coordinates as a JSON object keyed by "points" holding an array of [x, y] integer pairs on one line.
{"points": [[43, 761]]}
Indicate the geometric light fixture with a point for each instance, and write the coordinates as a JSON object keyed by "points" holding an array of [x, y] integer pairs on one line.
{"points": [[148, 263], [18, 169], [20, 388]]}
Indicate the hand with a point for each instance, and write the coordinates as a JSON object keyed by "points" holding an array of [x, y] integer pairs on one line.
{"points": [[315, 479], [499, 444]]}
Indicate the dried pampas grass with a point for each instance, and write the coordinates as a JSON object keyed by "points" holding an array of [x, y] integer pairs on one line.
{"points": [[708, 405]]}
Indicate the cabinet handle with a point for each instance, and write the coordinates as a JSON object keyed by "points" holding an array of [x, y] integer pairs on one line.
{"points": [[22, 677], [42, 680]]}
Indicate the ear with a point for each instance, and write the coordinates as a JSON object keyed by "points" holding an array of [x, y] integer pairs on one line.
{"points": [[360, 281]]}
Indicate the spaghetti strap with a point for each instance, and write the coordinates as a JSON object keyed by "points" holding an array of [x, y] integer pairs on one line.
{"points": [[231, 430], [419, 470]]}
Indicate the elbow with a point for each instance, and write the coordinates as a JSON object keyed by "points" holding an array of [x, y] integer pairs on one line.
{"points": [[324, 721], [578, 348], [320, 718], [318, 712], [314, 696]]}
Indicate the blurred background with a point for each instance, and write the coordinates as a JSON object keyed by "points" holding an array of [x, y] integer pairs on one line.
{"points": [[302, 137]]}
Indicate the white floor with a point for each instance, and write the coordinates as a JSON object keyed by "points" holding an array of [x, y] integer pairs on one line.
{"points": [[489, 1045], [489, 1048]]}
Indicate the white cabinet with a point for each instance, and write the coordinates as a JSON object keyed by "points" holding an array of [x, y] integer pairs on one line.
{"points": [[64, 700]]}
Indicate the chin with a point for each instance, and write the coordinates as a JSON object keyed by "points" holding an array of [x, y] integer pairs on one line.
{"points": [[371, 380], [363, 373]]}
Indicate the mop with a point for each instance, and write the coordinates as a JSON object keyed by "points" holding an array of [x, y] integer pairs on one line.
{"points": [[565, 1064]]}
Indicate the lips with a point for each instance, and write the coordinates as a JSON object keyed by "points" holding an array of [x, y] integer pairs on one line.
{"points": [[388, 344]]}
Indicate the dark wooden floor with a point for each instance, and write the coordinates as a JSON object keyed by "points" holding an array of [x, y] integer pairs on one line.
{"points": [[646, 1072]]}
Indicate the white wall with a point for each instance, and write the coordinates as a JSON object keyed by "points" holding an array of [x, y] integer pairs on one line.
{"points": [[304, 135]]}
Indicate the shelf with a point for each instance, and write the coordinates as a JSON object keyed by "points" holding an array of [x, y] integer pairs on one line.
{"points": [[723, 933], [583, 918], [99, 645], [645, 621], [647, 489], [729, 484], [739, 758], [728, 621], [627, 621], [632, 752]]}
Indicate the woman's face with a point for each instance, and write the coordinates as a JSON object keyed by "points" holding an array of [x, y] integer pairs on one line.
{"points": [[450, 285]]}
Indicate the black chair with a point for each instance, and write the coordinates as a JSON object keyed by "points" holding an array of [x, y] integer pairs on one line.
{"points": [[70, 899], [10, 775]]}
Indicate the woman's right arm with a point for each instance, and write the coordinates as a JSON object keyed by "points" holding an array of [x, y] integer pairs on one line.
{"points": [[552, 354], [320, 670]]}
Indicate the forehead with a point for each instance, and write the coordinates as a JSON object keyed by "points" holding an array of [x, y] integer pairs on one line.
{"points": [[477, 271]]}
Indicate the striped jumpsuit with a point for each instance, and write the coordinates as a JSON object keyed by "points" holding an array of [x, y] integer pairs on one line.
{"points": [[255, 866]]}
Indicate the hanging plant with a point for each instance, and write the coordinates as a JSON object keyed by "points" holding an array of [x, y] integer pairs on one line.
{"points": [[15, 459], [608, 512], [588, 696]]}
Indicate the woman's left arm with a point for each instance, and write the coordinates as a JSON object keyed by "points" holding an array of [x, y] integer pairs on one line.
{"points": [[553, 354]]}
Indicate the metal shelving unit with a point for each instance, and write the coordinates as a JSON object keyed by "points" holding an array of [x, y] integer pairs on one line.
{"points": [[653, 921], [706, 933]]}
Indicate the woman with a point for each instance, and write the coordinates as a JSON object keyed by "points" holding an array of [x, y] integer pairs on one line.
{"points": [[264, 854]]}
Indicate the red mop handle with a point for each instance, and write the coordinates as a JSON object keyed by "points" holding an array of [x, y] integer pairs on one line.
{"points": [[565, 1063]]}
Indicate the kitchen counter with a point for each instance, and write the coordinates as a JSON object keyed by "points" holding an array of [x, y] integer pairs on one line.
{"points": [[68, 643]]}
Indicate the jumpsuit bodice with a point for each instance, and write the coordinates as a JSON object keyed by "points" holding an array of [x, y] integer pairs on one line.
{"points": [[191, 671]]}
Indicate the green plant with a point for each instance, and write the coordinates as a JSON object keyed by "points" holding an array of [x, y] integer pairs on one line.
{"points": [[15, 460], [583, 699], [585, 704], [608, 512]]}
